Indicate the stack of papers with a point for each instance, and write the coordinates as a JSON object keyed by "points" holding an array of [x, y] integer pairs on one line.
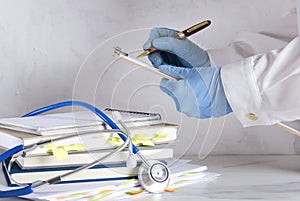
{"points": [[182, 174]]}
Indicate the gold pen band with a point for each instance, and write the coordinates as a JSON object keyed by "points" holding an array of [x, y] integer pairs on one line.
{"points": [[194, 29], [147, 52]]}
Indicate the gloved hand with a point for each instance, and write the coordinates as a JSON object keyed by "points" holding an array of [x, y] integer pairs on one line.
{"points": [[198, 92], [176, 52]]}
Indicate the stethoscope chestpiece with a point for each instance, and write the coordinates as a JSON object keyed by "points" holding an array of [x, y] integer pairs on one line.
{"points": [[154, 178]]}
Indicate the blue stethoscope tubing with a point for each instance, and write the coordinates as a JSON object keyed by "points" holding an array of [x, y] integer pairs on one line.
{"points": [[28, 189]]}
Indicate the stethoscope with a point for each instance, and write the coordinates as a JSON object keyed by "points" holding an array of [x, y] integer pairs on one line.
{"points": [[153, 175]]}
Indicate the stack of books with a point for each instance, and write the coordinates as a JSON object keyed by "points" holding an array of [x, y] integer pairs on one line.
{"points": [[182, 173], [147, 130]]}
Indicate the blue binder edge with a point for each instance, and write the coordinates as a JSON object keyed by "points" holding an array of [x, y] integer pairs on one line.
{"points": [[10, 184], [15, 165]]}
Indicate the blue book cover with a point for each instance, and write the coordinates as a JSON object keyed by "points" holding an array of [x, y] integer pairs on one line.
{"points": [[15, 169]]}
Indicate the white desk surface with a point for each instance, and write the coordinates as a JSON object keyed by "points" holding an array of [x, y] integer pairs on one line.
{"points": [[243, 178]]}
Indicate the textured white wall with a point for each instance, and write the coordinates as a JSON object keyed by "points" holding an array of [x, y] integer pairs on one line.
{"points": [[44, 43]]}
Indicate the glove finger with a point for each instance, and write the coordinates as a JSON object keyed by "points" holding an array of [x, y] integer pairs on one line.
{"points": [[166, 86], [148, 44], [190, 53], [173, 60], [165, 58], [175, 72], [156, 59], [157, 33], [169, 44], [162, 32]]}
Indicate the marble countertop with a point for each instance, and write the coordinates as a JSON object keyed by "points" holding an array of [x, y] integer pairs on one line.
{"points": [[246, 178], [243, 178]]}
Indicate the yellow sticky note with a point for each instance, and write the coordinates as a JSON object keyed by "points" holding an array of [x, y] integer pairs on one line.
{"points": [[147, 143], [49, 146], [60, 153], [105, 191], [127, 182], [182, 181], [74, 147], [140, 140], [168, 189], [159, 136], [188, 173], [134, 192], [116, 140], [102, 196], [78, 194], [139, 137]]}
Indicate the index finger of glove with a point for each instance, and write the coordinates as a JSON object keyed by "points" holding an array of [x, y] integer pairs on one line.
{"points": [[157, 33]]}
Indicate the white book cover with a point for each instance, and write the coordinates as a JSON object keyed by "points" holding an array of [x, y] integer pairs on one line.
{"points": [[158, 133], [73, 121]]}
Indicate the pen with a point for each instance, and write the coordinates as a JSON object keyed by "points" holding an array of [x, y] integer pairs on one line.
{"points": [[181, 35], [123, 55]]}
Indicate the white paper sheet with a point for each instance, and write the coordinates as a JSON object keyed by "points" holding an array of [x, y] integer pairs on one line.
{"points": [[182, 173]]}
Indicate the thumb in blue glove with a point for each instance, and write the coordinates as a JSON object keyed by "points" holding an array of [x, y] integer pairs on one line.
{"points": [[174, 51], [198, 92]]}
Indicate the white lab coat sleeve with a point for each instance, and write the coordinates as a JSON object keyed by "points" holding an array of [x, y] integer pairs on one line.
{"points": [[264, 89], [246, 44]]}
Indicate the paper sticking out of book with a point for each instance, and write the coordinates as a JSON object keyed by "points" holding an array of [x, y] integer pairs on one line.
{"points": [[81, 158], [182, 174], [62, 152]]}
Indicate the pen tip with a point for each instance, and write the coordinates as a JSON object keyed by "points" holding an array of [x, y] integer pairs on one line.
{"points": [[145, 53]]}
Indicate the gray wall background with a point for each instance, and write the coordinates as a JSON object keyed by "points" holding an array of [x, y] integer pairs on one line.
{"points": [[61, 49]]}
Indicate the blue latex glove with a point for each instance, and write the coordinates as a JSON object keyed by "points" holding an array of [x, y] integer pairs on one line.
{"points": [[198, 92], [176, 52]]}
